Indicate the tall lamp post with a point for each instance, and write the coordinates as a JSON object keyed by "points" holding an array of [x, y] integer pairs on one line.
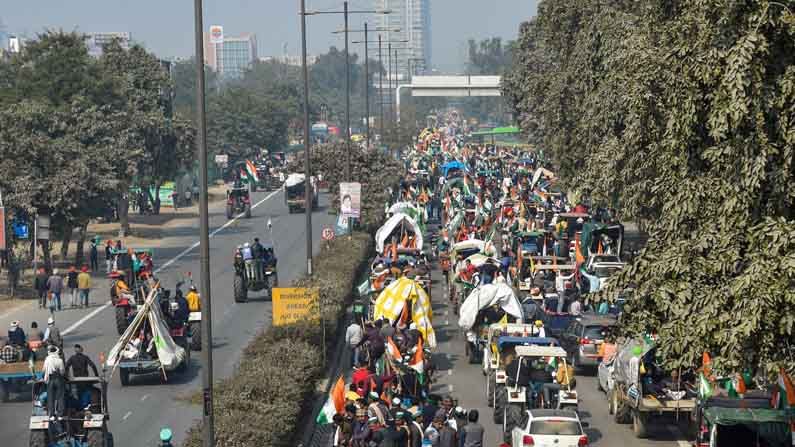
{"points": [[346, 13], [208, 417], [367, 68], [307, 137]]}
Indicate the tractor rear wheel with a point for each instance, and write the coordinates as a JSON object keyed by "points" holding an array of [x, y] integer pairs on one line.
{"points": [[96, 438], [196, 336], [241, 294], [121, 319], [500, 402], [513, 418], [38, 438], [229, 211], [124, 376]]}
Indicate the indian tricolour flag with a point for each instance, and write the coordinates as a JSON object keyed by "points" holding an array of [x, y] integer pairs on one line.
{"points": [[334, 405], [784, 394], [251, 171], [392, 350], [417, 362]]}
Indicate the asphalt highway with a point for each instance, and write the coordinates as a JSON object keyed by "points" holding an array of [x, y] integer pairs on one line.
{"points": [[466, 383], [139, 410]]}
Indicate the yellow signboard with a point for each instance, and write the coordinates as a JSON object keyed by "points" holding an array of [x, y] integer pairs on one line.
{"points": [[294, 304]]}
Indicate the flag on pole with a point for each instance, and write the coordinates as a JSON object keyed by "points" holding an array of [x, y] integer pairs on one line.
{"points": [[784, 393], [418, 360], [392, 349], [334, 404], [251, 170]]}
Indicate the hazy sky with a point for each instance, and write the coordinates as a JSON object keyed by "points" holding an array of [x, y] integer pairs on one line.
{"points": [[166, 26]]}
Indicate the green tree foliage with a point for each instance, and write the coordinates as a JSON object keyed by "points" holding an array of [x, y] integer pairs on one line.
{"points": [[184, 75], [680, 114], [243, 123], [489, 57]]}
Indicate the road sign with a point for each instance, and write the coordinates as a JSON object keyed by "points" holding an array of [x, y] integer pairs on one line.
{"points": [[43, 227], [221, 159], [216, 34], [328, 233], [294, 304]]}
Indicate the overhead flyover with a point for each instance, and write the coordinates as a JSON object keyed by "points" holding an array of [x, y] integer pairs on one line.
{"points": [[451, 86]]}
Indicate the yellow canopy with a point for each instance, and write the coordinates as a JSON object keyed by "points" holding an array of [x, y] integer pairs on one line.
{"points": [[392, 300]]}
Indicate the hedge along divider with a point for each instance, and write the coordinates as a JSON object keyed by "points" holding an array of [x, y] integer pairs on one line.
{"points": [[270, 397]]}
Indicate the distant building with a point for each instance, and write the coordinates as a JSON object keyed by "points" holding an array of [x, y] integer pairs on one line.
{"points": [[96, 41], [232, 56], [413, 17], [289, 59]]}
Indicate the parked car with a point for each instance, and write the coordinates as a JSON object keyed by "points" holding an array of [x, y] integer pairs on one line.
{"points": [[581, 339], [550, 428]]}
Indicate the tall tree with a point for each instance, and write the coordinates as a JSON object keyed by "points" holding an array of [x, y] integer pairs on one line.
{"points": [[680, 114]]}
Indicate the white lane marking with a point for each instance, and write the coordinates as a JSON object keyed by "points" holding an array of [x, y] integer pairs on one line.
{"points": [[144, 397], [449, 372], [684, 444], [450, 388], [126, 415], [447, 322], [176, 258]]}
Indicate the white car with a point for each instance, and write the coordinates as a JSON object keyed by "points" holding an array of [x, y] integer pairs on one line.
{"points": [[550, 428]]}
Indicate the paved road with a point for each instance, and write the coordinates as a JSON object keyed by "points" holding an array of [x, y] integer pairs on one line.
{"points": [[466, 383], [139, 410]]}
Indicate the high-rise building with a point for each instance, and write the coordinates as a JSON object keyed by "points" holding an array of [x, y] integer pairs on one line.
{"points": [[413, 17], [230, 57], [96, 41]]}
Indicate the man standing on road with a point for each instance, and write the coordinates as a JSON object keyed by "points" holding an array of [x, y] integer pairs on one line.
{"points": [[84, 285], [40, 284], [71, 283], [94, 254], [472, 432], [353, 336], [54, 372], [108, 256], [55, 286], [576, 307]]}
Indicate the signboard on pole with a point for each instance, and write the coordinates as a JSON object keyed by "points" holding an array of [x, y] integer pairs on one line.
{"points": [[350, 200], [328, 233], [291, 305], [222, 159], [2, 228], [43, 227], [216, 34]]}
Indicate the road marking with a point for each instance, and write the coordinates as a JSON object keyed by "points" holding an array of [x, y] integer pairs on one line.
{"points": [[684, 444], [447, 322], [449, 372], [144, 397], [450, 388], [126, 415], [176, 258]]}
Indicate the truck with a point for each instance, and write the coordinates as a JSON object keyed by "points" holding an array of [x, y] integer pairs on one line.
{"points": [[295, 192], [637, 399]]}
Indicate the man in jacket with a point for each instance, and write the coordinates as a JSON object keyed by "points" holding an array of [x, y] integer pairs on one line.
{"points": [[71, 283], [54, 376], [353, 335], [84, 285], [40, 284], [79, 364], [52, 335], [55, 286]]}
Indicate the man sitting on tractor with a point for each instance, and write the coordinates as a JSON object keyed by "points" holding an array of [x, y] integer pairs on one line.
{"points": [[118, 286]]}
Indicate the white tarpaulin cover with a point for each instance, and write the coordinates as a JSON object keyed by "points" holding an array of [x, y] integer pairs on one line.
{"points": [[483, 297], [169, 353], [383, 233], [294, 179], [401, 207]]}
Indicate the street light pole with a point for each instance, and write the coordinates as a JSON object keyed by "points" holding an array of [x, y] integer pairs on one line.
{"points": [[381, 86], [347, 99], [366, 86], [307, 143], [389, 79], [208, 416]]}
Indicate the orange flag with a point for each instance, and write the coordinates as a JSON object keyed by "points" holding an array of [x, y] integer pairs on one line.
{"points": [[392, 349]]}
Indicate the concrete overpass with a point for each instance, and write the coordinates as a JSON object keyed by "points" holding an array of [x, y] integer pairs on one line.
{"points": [[450, 86]]}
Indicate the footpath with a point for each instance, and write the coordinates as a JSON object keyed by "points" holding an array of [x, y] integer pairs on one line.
{"points": [[163, 233]]}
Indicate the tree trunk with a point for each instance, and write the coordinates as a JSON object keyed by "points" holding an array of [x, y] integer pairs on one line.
{"points": [[156, 201], [79, 254], [67, 239], [124, 205], [46, 255]]}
